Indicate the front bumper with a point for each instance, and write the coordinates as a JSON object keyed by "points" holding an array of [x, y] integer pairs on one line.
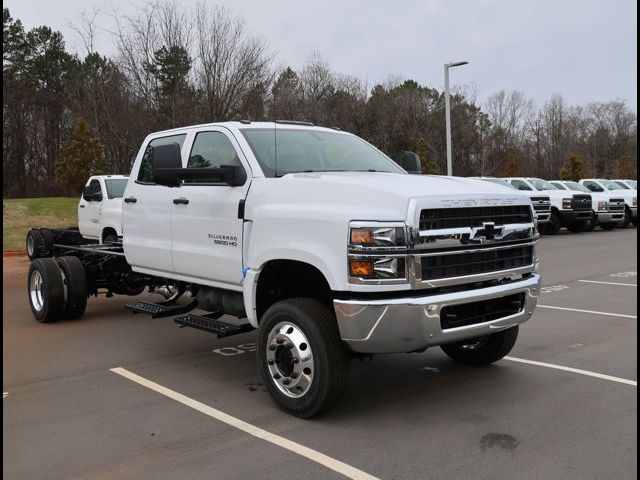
{"points": [[407, 324], [567, 217], [610, 217]]}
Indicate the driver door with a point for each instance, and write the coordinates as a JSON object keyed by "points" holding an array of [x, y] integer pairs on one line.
{"points": [[89, 209]]}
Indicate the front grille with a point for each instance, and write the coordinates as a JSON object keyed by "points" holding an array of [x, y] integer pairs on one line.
{"points": [[581, 202], [479, 312], [616, 205], [541, 204], [473, 263], [438, 218]]}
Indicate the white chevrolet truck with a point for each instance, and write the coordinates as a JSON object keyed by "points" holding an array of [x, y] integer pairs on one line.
{"points": [[609, 186], [316, 239], [607, 208], [571, 210], [100, 208]]}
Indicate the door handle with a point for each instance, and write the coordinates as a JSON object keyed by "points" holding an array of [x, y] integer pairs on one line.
{"points": [[81, 206], [181, 201], [130, 200]]}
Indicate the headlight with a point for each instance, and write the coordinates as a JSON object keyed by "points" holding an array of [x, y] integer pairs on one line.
{"points": [[377, 252], [566, 204], [602, 205], [377, 236]]}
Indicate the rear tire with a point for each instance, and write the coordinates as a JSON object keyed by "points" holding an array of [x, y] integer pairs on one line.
{"points": [[75, 281], [301, 357], [45, 289], [483, 350], [35, 244]]}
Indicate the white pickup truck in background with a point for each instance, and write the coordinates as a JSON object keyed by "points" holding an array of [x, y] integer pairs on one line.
{"points": [[100, 208], [610, 186], [608, 209]]}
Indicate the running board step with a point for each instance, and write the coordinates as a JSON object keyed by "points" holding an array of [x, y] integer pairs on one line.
{"points": [[157, 310], [210, 323]]}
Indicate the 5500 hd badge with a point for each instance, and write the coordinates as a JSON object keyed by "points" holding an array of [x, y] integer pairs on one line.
{"points": [[227, 240]]}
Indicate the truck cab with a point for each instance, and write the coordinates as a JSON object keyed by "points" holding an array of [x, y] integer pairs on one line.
{"points": [[607, 208], [100, 208], [569, 210], [630, 196]]}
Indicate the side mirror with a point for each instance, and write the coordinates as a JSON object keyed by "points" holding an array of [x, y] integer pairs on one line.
{"points": [[411, 162], [91, 197], [165, 164]]}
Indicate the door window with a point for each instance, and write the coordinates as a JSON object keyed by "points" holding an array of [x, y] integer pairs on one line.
{"points": [[145, 174], [520, 185], [211, 150], [593, 186]]}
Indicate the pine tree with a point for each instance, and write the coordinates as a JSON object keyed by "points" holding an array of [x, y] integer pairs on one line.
{"points": [[422, 149], [511, 166], [574, 169], [82, 157]]}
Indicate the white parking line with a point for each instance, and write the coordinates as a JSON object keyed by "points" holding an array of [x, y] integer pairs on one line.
{"points": [[324, 460], [588, 311], [574, 370], [610, 283]]}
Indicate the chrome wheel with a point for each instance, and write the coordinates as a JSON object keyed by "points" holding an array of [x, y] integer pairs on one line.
{"points": [[290, 359], [35, 291]]}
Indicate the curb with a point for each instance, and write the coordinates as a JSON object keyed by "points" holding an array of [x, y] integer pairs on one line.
{"points": [[14, 253]]}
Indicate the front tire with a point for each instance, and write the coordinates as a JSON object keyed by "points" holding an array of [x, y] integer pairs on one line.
{"points": [[301, 357], [627, 220], [46, 290], [483, 350]]}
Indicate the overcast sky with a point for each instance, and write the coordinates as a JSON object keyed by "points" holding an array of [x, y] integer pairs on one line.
{"points": [[583, 49]]}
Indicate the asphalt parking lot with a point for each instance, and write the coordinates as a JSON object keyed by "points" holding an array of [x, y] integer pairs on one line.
{"points": [[563, 405]]}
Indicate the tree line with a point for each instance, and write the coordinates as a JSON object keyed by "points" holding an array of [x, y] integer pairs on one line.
{"points": [[175, 66]]}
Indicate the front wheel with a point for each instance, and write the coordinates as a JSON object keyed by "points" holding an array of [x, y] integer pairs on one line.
{"points": [[301, 357], [483, 350], [627, 220]]}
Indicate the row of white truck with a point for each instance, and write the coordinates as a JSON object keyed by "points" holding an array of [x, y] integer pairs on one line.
{"points": [[577, 206]]}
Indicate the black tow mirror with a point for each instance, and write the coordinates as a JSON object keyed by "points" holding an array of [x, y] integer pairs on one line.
{"points": [[165, 164], [90, 196], [411, 162]]}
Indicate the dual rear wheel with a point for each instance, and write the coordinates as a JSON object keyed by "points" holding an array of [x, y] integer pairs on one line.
{"points": [[57, 288]]}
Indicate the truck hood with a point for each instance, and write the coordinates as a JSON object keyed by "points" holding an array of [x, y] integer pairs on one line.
{"points": [[364, 195]]}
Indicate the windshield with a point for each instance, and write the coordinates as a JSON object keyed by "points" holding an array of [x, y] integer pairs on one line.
{"points": [[633, 183], [281, 151], [115, 187], [611, 185], [622, 184], [577, 186], [499, 182], [539, 184]]}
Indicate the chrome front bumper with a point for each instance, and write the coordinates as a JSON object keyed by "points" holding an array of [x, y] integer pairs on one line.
{"points": [[407, 324], [610, 217]]}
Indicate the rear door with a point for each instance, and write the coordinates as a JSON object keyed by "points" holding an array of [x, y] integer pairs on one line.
{"points": [[205, 221], [146, 213], [89, 210]]}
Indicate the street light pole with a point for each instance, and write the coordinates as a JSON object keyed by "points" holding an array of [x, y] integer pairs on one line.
{"points": [[447, 110]]}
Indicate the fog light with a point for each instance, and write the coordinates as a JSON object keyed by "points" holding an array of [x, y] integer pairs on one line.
{"points": [[360, 268]]}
